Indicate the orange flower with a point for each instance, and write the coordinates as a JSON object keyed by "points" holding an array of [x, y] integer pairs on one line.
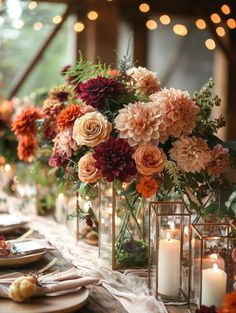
{"points": [[26, 148], [229, 304], [113, 72], [147, 186], [25, 125], [68, 116]]}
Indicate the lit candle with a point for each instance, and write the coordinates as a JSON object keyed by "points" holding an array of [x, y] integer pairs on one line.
{"points": [[213, 286], [212, 259], [169, 266]]}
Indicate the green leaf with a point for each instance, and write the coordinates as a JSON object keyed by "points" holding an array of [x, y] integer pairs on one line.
{"points": [[131, 189]]}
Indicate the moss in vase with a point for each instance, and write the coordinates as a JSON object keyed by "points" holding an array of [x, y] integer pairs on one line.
{"points": [[132, 254]]}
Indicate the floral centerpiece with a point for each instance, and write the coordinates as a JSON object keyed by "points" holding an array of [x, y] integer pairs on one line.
{"points": [[121, 126]]}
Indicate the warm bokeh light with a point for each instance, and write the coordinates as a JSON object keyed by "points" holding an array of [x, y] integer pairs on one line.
{"points": [[151, 24], [231, 23], [57, 19], [61, 196], [18, 24], [144, 7], [225, 9], [38, 26], [92, 15], [180, 30], [32, 5], [201, 24], [215, 18], [79, 27], [7, 168], [220, 31], [210, 44], [165, 19]]}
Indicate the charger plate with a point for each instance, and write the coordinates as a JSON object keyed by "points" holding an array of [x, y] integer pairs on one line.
{"points": [[22, 259], [67, 303]]}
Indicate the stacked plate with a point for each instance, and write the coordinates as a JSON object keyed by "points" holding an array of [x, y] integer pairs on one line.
{"points": [[23, 252], [9, 223]]}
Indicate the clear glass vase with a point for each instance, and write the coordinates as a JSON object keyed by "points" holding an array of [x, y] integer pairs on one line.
{"points": [[123, 226]]}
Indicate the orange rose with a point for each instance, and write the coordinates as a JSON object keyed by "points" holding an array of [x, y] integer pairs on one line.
{"points": [[147, 187], [149, 159], [86, 170]]}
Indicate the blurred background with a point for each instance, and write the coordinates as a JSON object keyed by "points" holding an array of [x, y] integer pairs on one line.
{"points": [[185, 42]]}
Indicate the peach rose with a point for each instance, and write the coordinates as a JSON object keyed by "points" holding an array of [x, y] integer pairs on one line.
{"points": [[87, 172], [149, 159], [91, 129]]}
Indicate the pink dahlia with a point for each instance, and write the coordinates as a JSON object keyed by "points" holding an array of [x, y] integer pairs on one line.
{"points": [[145, 81], [192, 154], [114, 158], [139, 123], [219, 162], [96, 90], [64, 143], [178, 110]]}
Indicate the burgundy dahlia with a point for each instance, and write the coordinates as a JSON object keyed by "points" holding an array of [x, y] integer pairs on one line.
{"points": [[206, 309], [96, 90], [114, 158]]}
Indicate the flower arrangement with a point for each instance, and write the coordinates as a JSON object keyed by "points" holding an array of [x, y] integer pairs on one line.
{"points": [[122, 126]]}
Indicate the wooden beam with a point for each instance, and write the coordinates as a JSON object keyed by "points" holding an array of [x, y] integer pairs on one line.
{"points": [[27, 69]]}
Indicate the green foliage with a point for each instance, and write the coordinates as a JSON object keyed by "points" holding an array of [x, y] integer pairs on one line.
{"points": [[132, 254], [85, 70], [206, 100], [87, 191], [175, 176]]}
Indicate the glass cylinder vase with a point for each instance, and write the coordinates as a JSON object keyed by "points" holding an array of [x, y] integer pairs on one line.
{"points": [[123, 222]]}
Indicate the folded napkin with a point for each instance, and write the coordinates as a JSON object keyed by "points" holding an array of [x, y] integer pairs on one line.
{"points": [[55, 283]]}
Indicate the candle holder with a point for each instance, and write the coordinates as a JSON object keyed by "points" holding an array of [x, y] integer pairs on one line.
{"points": [[123, 227], [169, 251], [211, 262]]}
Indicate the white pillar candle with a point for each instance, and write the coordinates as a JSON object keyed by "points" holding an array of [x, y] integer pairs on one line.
{"points": [[213, 286], [169, 267]]}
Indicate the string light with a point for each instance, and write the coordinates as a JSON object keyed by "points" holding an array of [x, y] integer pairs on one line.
{"points": [[92, 15], [201, 24], [225, 9], [210, 44], [144, 7], [38, 26], [180, 30], [151, 24], [57, 19], [32, 5], [18, 24], [220, 31], [231, 23], [165, 19], [79, 27], [215, 18]]}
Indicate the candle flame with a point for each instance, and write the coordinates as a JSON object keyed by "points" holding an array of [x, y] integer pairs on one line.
{"points": [[172, 225], [214, 256], [215, 267], [168, 236]]}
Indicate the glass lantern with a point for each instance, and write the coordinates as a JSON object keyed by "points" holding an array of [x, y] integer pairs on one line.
{"points": [[212, 266], [123, 220], [169, 251]]}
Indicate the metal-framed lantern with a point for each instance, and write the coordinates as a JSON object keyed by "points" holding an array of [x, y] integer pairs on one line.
{"points": [[123, 227], [212, 244], [169, 254]]}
